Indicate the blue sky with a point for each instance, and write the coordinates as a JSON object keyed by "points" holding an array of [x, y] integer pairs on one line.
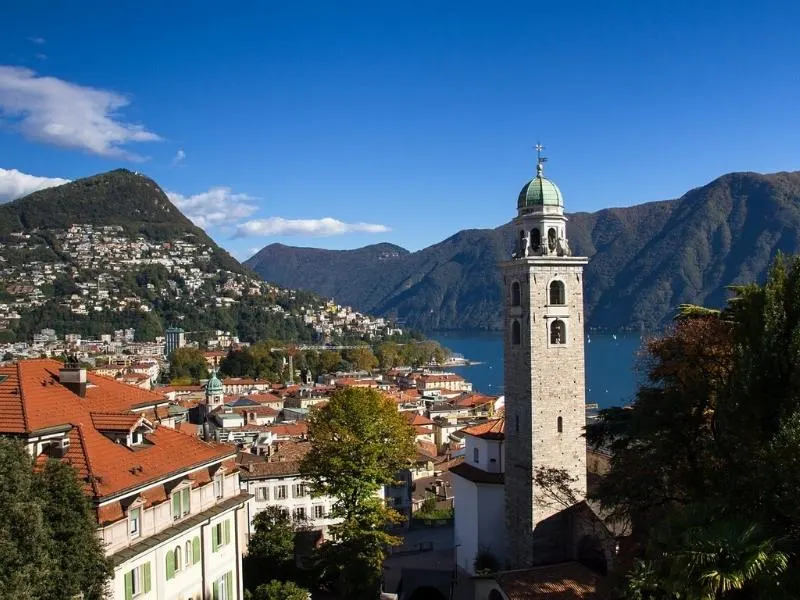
{"points": [[339, 124]]}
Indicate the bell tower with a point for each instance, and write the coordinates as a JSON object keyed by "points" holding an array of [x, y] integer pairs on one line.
{"points": [[545, 411]]}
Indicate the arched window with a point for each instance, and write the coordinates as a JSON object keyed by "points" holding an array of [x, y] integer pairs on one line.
{"points": [[557, 292], [551, 238], [522, 243], [560, 424], [177, 558], [475, 455], [516, 297], [558, 332], [536, 238], [189, 557], [516, 333]]}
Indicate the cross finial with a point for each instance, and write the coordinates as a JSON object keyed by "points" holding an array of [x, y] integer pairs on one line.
{"points": [[540, 160]]}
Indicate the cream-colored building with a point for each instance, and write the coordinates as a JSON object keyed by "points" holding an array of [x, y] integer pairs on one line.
{"points": [[169, 506]]}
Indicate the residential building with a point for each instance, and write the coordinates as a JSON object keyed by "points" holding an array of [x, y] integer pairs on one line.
{"points": [[169, 506], [273, 479]]}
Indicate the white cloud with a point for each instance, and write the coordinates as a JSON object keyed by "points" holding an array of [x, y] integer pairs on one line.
{"points": [[217, 206], [39, 41], [180, 155], [66, 114], [15, 184], [326, 226]]}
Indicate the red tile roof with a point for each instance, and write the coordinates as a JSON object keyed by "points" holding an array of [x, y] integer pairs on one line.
{"points": [[491, 430], [417, 419], [114, 421], [473, 400], [32, 398], [565, 581]]}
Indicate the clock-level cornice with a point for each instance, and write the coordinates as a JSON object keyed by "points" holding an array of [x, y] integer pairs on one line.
{"points": [[544, 261]]}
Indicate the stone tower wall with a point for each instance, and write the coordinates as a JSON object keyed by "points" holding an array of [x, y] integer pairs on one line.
{"points": [[543, 381]]}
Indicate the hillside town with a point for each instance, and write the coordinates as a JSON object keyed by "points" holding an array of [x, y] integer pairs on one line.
{"points": [[87, 268]]}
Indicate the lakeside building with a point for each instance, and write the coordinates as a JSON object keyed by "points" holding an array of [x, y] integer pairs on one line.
{"points": [[169, 506]]}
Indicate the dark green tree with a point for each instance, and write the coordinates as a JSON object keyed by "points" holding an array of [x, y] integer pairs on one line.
{"points": [[188, 362], [705, 463], [48, 542], [278, 590]]}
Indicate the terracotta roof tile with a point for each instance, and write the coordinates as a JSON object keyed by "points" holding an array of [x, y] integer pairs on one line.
{"points": [[114, 421], [32, 397], [109, 513], [491, 430], [417, 419], [565, 581]]}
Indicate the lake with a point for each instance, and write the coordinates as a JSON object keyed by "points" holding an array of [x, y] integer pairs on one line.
{"points": [[611, 359]]}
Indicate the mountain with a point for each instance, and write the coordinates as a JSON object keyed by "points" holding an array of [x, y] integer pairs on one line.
{"points": [[111, 251], [645, 259], [118, 197]]}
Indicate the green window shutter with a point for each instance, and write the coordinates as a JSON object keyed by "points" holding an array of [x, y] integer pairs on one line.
{"points": [[146, 577], [186, 495], [170, 565], [215, 591], [228, 531], [196, 550], [129, 585], [214, 539], [176, 505], [229, 584]]}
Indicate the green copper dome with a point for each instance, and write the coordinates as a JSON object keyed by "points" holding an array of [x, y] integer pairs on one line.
{"points": [[539, 191], [214, 385]]}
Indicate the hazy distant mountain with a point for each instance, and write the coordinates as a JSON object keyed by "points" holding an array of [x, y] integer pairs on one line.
{"points": [[645, 259]]}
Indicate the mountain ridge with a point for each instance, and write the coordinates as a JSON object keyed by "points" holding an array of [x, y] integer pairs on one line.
{"points": [[644, 259]]}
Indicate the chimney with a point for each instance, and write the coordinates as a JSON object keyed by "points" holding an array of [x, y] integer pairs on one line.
{"points": [[73, 377]]}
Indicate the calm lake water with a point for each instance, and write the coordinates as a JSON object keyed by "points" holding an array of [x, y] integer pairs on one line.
{"points": [[611, 375]]}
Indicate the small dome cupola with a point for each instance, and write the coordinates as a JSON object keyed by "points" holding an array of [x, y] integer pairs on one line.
{"points": [[214, 385], [539, 192]]}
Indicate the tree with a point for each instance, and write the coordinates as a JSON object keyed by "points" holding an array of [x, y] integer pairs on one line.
{"points": [[706, 463], [359, 442], [188, 362], [330, 361], [273, 536], [48, 542], [388, 355], [277, 590], [78, 552], [361, 358]]}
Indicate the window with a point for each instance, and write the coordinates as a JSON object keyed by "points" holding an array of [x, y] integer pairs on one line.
{"points": [[220, 535], [219, 486], [222, 588], [180, 503], [558, 332], [319, 512], [516, 297], [189, 554], [299, 514], [536, 238], [551, 238], [298, 490], [560, 425], [177, 553], [262, 493], [280, 492], [557, 293], [134, 521], [137, 581], [475, 455], [516, 333]]}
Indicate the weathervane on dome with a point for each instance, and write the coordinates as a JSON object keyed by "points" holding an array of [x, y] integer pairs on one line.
{"points": [[540, 160]]}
